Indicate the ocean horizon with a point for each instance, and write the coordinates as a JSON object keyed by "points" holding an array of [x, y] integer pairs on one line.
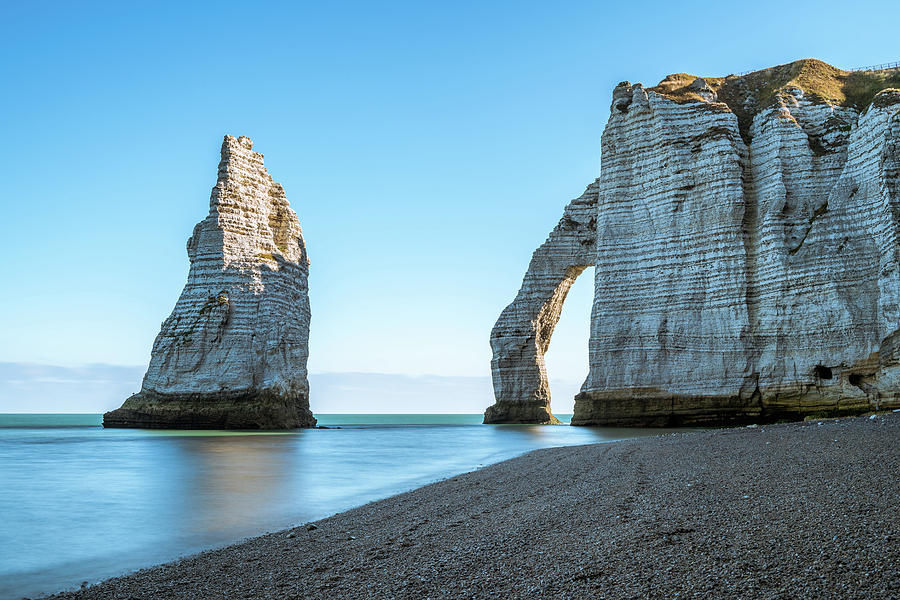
{"points": [[89, 419], [83, 503]]}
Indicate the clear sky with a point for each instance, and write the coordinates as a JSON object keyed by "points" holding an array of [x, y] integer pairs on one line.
{"points": [[427, 147]]}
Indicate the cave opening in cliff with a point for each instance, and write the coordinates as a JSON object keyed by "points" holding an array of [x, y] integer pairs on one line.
{"points": [[822, 372], [566, 359]]}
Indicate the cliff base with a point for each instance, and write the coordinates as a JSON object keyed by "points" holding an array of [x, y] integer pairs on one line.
{"points": [[226, 410], [512, 414], [657, 408]]}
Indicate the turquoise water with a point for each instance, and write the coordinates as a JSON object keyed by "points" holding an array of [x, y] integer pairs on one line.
{"points": [[81, 503]]}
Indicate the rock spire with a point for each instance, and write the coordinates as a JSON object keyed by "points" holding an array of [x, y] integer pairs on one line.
{"points": [[233, 353]]}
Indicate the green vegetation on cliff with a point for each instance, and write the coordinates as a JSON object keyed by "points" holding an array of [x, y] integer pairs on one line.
{"points": [[748, 94]]}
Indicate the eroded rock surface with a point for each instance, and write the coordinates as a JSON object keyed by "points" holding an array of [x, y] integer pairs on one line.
{"points": [[747, 262], [522, 333], [233, 353]]}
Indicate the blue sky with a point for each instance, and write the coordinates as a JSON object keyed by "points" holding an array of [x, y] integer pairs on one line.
{"points": [[428, 148]]}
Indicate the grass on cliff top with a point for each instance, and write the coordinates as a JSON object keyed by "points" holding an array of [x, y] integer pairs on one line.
{"points": [[748, 94]]}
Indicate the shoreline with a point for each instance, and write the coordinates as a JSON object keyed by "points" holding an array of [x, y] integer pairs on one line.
{"points": [[791, 510]]}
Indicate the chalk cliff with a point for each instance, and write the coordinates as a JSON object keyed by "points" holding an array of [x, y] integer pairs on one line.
{"points": [[233, 353], [747, 263], [521, 335]]}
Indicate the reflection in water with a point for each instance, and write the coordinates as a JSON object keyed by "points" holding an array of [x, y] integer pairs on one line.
{"points": [[225, 479], [535, 432], [87, 503]]}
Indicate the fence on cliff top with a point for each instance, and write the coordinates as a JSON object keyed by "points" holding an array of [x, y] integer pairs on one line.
{"points": [[881, 67]]}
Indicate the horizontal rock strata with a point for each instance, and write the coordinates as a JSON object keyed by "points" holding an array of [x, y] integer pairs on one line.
{"points": [[747, 261], [522, 333], [233, 353]]}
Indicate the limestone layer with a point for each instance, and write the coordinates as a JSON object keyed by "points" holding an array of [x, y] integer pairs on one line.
{"points": [[747, 261], [522, 333], [233, 353]]}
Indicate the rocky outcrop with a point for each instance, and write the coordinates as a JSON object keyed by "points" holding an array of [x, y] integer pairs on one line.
{"points": [[233, 353], [522, 333], [747, 264]]}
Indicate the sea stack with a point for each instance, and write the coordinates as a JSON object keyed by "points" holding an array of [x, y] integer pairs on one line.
{"points": [[233, 353], [747, 256]]}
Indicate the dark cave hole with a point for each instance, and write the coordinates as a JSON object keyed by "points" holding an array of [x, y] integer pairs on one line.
{"points": [[822, 372]]}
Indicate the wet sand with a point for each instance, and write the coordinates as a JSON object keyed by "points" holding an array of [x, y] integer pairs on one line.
{"points": [[801, 510]]}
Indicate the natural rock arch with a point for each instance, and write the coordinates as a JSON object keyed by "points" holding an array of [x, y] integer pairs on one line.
{"points": [[746, 265], [521, 336]]}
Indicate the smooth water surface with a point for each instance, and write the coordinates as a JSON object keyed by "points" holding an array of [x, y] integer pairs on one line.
{"points": [[81, 503]]}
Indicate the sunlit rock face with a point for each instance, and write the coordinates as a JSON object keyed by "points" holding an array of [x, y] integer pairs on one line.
{"points": [[746, 251], [233, 353], [522, 333]]}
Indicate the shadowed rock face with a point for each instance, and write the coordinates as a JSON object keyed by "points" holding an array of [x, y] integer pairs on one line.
{"points": [[747, 262], [233, 353]]}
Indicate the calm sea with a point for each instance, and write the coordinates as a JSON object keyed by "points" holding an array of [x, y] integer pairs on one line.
{"points": [[81, 503]]}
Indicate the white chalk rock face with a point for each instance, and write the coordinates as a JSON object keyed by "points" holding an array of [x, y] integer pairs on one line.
{"points": [[522, 333], [747, 254], [233, 353], [670, 281]]}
